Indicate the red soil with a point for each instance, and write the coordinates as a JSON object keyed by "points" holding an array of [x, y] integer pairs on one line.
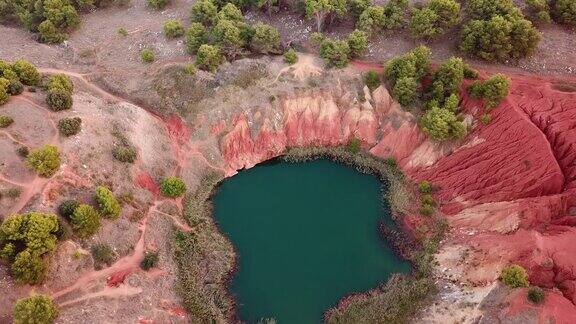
{"points": [[144, 180]]}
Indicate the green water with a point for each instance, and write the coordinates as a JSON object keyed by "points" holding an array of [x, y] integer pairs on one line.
{"points": [[306, 235]]}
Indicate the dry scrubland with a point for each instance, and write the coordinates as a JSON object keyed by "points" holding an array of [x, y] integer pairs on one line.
{"points": [[506, 189]]}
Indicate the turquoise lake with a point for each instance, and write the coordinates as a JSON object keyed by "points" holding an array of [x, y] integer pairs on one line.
{"points": [[306, 235]]}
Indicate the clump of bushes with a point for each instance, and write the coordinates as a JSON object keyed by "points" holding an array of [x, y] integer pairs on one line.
{"points": [[564, 12], [59, 96], [173, 29], [150, 260], [376, 19], [514, 276], [26, 72], [70, 126], [427, 202], [45, 160], [108, 204], [157, 4], [493, 90], [536, 295], [434, 19], [196, 36], [5, 121], [441, 123], [405, 73], [36, 309], [320, 10], [66, 208], [290, 57], [338, 52], [372, 80], [208, 57], [173, 187], [354, 145], [124, 153], [103, 255], [85, 221], [498, 31], [4, 92], [266, 39], [147, 56], [24, 238]]}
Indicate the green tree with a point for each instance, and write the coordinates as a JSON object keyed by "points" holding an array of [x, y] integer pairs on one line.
{"points": [[564, 11], [107, 203], [514, 276], [66, 208], [486, 9], [173, 29], [28, 268], [85, 221], [173, 187], [38, 309], [50, 34], [405, 90], [424, 23], [62, 14], [442, 124], [231, 12], [322, 9], [268, 4], [357, 42], [27, 73], [357, 7], [414, 64], [195, 37], [448, 78], [204, 12], [371, 20], [493, 90], [208, 57], [539, 11], [447, 10], [335, 52], [266, 39], [45, 160], [228, 37], [4, 88]]}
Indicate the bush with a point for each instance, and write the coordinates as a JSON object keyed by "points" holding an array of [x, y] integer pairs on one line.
{"points": [[15, 87], [124, 153], [173, 187], [335, 52], [486, 9], [448, 78], [6, 121], [23, 151], [493, 90], [122, 31], [424, 24], [357, 7], [195, 37], [427, 199], [514, 276], [150, 260], [60, 82], [376, 19], [406, 91], [290, 57], [45, 161], [107, 203], [321, 9], [38, 309], [173, 29], [190, 69], [103, 255], [70, 126], [354, 145], [24, 238], [26, 72], [50, 34], [208, 57], [564, 11], [230, 12], [4, 94], [147, 56], [414, 64], [425, 187], [442, 124], [536, 295], [372, 80], [358, 43], [204, 12], [66, 208], [266, 39], [58, 99], [85, 221], [228, 37], [485, 119], [157, 4], [500, 38], [426, 210]]}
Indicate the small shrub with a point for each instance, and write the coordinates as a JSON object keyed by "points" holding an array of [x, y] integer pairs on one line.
{"points": [[59, 99], [357, 42], [15, 87], [66, 208], [196, 36], [208, 57], [150, 260], [45, 161], [173, 187], [122, 31], [266, 39], [493, 90], [190, 69], [4, 90], [372, 80], [85, 221], [70, 126], [485, 119], [6, 121], [157, 4], [173, 29], [38, 309], [107, 203], [406, 91], [514, 276], [428, 200], [426, 210], [425, 187], [23, 151], [147, 56], [27, 73], [103, 255], [536, 295], [13, 193], [50, 34], [290, 57], [354, 145], [124, 153], [335, 52], [60, 82], [203, 12]]}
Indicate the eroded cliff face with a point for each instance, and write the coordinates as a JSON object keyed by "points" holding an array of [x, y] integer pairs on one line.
{"points": [[508, 190]]}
